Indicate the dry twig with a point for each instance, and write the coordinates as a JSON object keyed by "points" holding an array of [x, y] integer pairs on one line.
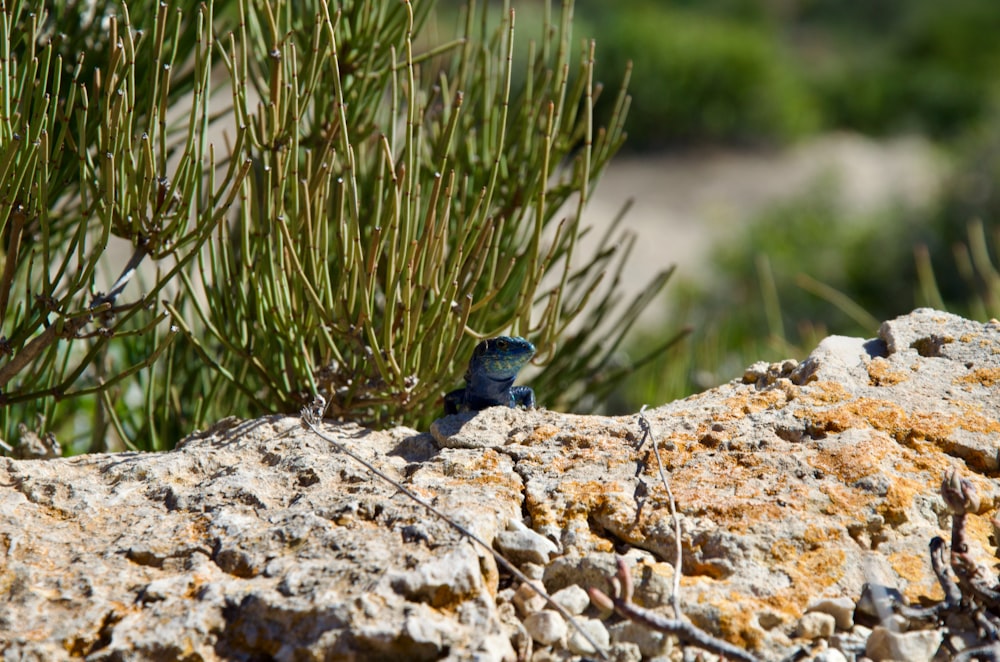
{"points": [[312, 416], [973, 598], [647, 431], [621, 603]]}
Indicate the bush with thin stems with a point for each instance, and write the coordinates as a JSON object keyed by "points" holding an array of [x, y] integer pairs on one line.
{"points": [[367, 210]]}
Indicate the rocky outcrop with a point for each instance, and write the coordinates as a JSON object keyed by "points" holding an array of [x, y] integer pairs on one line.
{"points": [[796, 485]]}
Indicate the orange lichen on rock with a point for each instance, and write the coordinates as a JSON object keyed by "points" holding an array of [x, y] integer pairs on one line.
{"points": [[987, 377], [739, 625], [850, 462], [541, 433], [898, 500], [810, 566], [590, 496], [921, 586], [846, 502], [980, 530], [750, 401], [880, 373], [825, 392], [902, 425]]}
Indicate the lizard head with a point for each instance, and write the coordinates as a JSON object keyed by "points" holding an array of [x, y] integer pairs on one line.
{"points": [[501, 357]]}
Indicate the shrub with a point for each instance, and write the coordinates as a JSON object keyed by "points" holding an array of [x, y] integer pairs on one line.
{"points": [[371, 212], [699, 77], [913, 66]]}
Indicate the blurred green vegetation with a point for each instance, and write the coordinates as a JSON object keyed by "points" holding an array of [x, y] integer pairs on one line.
{"points": [[809, 267], [801, 270], [697, 77], [765, 71], [913, 65]]}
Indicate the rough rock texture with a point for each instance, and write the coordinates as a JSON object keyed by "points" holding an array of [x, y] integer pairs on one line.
{"points": [[257, 540]]}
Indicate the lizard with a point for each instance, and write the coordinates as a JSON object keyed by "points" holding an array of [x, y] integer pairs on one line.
{"points": [[489, 380]]}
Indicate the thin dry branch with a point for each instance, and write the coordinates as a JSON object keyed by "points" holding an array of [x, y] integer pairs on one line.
{"points": [[621, 603], [675, 598], [313, 415], [975, 595]]}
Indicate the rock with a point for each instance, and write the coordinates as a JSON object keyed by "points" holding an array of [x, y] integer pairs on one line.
{"points": [[573, 599], [519, 545], [520, 640], [257, 539], [917, 646], [651, 643], [595, 629], [851, 644], [472, 430], [527, 600], [876, 601], [441, 581], [624, 652], [829, 655], [842, 610], [546, 627], [533, 571], [652, 583], [814, 625]]}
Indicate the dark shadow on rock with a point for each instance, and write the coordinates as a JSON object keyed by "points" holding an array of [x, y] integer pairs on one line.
{"points": [[416, 448]]}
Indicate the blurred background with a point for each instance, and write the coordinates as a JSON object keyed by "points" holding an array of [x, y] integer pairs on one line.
{"points": [[812, 167]]}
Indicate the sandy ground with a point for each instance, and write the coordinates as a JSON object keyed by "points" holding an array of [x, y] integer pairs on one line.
{"points": [[684, 204]]}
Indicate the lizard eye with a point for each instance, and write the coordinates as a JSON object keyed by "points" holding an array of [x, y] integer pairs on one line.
{"points": [[501, 343]]}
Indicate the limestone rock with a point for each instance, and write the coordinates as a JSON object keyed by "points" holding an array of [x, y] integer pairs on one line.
{"points": [[546, 627], [830, 655], [573, 599], [519, 544], [649, 642], [842, 610], [918, 646], [796, 483], [596, 632], [815, 624]]}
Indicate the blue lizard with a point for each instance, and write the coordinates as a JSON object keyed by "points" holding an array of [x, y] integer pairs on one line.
{"points": [[489, 380]]}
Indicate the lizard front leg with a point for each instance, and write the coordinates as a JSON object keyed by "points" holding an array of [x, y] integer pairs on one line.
{"points": [[522, 396], [454, 402]]}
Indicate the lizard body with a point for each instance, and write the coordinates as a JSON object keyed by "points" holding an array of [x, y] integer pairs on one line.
{"points": [[489, 380]]}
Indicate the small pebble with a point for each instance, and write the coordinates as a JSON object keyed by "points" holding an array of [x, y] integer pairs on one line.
{"points": [[769, 620], [842, 610], [625, 652], [916, 646], [522, 545], [533, 571], [546, 627], [650, 642], [579, 645], [815, 624], [573, 599], [830, 655], [505, 595], [527, 601]]}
